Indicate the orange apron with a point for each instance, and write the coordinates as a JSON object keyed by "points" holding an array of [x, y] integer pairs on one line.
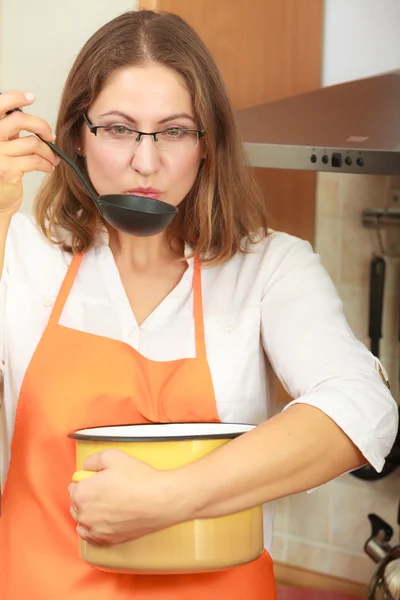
{"points": [[77, 380]]}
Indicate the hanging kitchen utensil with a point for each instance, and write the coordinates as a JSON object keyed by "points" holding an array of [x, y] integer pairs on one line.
{"points": [[376, 297], [134, 215], [385, 583], [376, 294]]}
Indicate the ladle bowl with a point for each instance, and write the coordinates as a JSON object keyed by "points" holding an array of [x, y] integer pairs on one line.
{"points": [[134, 215]]}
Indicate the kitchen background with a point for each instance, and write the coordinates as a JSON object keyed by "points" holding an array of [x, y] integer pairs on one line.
{"points": [[323, 531], [326, 530]]}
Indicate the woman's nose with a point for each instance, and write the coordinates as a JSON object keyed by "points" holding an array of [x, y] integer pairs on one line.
{"points": [[146, 158]]}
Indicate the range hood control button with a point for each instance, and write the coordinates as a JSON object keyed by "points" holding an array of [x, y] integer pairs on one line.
{"points": [[360, 162], [348, 161], [336, 159], [325, 159]]}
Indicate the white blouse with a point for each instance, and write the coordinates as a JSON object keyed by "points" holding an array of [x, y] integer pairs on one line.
{"points": [[273, 307]]}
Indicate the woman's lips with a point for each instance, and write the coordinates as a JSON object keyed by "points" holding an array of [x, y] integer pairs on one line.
{"points": [[147, 193]]}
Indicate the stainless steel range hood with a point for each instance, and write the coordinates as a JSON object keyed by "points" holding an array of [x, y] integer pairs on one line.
{"points": [[351, 128]]}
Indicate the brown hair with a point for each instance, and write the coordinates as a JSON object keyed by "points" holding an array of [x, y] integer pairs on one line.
{"points": [[224, 208]]}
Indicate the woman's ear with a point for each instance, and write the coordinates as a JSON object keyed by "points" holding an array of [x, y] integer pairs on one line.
{"points": [[78, 148]]}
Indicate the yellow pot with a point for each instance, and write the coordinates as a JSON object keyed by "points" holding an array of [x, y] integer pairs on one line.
{"points": [[196, 546]]}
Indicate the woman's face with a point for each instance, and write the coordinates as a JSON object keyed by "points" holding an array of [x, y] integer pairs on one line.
{"points": [[146, 98]]}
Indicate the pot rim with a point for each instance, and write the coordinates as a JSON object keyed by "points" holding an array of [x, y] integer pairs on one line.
{"points": [[165, 432]]}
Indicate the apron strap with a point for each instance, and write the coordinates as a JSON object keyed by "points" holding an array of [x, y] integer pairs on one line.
{"points": [[65, 289], [197, 301], [198, 311]]}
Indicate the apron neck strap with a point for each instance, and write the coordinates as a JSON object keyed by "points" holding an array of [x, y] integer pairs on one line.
{"points": [[65, 289], [198, 310]]}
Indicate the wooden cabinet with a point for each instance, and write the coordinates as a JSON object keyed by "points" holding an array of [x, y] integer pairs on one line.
{"points": [[265, 49]]}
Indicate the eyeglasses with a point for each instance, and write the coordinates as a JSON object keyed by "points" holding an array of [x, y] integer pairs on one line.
{"points": [[121, 136]]}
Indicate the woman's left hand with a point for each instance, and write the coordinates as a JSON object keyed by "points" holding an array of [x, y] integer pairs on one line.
{"points": [[126, 499]]}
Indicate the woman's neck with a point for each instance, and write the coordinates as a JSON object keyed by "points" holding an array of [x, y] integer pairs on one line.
{"points": [[143, 253]]}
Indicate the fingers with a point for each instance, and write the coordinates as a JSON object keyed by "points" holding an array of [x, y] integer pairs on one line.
{"points": [[83, 532], [29, 145], [15, 99], [102, 460], [13, 168], [11, 125]]}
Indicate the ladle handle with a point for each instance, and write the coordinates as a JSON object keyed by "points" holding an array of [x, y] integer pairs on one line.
{"points": [[75, 168], [65, 158]]}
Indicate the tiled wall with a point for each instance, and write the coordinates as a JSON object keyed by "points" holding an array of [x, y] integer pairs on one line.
{"points": [[325, 531]]}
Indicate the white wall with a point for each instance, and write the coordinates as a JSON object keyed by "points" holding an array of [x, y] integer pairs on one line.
{"points": [[361, 38], [39, 40]]}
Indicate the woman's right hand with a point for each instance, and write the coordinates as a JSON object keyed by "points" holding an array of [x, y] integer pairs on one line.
{"points": [[20, 155]]}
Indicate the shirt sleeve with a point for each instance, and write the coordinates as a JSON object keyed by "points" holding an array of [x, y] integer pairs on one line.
{"points": [[318, 359]]}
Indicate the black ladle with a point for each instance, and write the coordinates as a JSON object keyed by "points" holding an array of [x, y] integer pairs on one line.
{"points": [[135, 215]]}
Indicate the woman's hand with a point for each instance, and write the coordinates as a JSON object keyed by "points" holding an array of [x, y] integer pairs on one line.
{"points": [[125, 500], [21, 155]]}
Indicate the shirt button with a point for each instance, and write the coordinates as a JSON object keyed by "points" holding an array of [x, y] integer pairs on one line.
{"points": [[229, 325], [48, 301]]}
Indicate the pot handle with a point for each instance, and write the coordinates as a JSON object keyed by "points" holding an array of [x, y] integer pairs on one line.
{"points": [[81, 475]]}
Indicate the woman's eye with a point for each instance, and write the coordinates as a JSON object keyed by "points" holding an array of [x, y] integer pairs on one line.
{"points": [[118, 130], [174, 132]]}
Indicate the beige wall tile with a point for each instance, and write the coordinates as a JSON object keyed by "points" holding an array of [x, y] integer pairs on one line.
{"points": [[308, 556], [356, 567], [359, 244], [350, 526], [328, 245], [281, 515], [308, 515], [392, 282], [388, 487], [279, 547], [359, 192], [327, 194]]}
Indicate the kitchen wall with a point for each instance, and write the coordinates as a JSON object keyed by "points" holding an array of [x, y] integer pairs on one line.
{"points": [[325, 531], [38, 43]]}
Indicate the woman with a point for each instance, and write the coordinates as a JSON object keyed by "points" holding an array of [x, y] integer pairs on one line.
{"points": [[74, 288]]}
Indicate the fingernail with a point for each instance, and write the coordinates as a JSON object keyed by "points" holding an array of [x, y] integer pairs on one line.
{"points": [[29, 96], [54, 135], [57, 161]]}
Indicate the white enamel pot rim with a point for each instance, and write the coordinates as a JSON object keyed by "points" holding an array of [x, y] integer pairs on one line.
{"points": [[157, 432]]}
